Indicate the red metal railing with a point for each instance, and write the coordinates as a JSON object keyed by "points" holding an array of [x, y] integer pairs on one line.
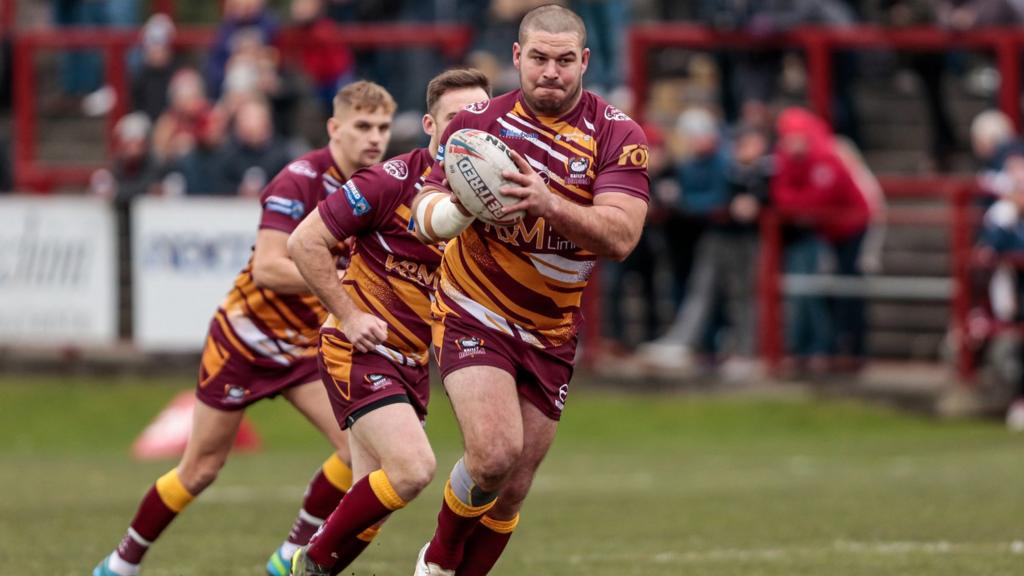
{"points": [[452, 41]]}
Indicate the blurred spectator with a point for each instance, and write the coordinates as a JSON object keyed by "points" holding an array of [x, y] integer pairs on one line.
{"points": [[81, 71], [641, 265], [6, 172], [725, 267], [814, 189], [252, 155], [1002, 234], [189, 120], [133, 172], [606, 22], [153, 78], [964, 15], [991, 132], [703, 187], [254, 71], [239, 15], [327, 69]]}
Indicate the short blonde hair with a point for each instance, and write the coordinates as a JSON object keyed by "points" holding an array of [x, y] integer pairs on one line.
{"points": [[364, 96]]}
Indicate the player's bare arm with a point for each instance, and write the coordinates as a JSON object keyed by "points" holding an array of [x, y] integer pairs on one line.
{"points": [[310, 248], [272, 268], [610, 228], [438, 215]]}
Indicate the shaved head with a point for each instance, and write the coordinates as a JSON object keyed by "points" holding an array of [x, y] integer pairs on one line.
{"points": [[553, 19]]}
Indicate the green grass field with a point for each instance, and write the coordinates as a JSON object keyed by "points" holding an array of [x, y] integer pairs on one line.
{"points": [[635, 485]]}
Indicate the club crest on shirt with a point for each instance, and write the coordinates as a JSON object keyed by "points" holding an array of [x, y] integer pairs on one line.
{"points": [[478, 107], [563, 393], [396, 169], [378, 381], [613, 113], [578, 166], [470, 346], [302, 168], [355, 198]]}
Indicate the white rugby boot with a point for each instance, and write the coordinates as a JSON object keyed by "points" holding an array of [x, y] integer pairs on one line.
{"points": [[429, 569]]}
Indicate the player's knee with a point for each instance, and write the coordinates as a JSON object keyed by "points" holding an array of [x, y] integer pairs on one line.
{"points": [[415, 473], [490, 469]]}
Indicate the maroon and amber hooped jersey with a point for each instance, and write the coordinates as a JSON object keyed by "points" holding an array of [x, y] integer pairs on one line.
{"points": [[527, 280], [267, 327], [391, 274]]}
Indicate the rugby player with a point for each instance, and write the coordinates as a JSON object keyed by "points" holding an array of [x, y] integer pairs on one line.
{"points": [[262, 341], [507, 307], [374, 348]]}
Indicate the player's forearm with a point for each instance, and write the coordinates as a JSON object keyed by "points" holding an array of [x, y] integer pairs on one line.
{"points": [[603, 230], [279, 275], [314, 261]]}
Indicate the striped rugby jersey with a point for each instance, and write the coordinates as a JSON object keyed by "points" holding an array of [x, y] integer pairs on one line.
{"points": [[392, 274], [527, 280], [267, 327]]}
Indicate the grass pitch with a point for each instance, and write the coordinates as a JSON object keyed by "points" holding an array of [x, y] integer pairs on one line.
{"points": [[635, 485]]}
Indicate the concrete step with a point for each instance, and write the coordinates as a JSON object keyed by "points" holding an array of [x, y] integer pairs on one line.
{"points": [[915, 263], [925, 317], [910, 344]]}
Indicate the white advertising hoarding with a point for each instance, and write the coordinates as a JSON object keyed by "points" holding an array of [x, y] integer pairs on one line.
{"points": [[186, 253], [58, 271]]}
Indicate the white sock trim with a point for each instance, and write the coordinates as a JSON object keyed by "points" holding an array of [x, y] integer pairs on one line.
{"points": [[309, 518], [119, 565], [138, 538], [288, 550]]}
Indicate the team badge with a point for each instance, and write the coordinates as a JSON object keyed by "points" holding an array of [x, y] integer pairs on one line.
{"points": [[563, 393], [613, 113], [478, 107], [234, 394], [578, 166], [470, 346], [302, 168], [396, 169], [355, 198], [378, 381]]}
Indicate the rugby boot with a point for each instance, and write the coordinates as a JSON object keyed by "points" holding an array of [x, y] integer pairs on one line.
{"points": [[278, 565], [303, 566], [423, 568], [104, 569]]}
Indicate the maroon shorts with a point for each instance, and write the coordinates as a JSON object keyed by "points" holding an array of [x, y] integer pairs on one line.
{"points": [[542, 374], [358, 382], [231, 378]]}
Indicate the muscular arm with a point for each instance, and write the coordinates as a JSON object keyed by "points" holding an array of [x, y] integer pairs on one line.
{"points": [[610, 228], [310, 248], [271, 266]]}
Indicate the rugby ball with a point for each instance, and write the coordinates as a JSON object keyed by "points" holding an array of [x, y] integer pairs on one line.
{"points": [[473, 163]]}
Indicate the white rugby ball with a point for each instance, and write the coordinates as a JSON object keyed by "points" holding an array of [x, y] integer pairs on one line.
{"points": [[473, 163]]}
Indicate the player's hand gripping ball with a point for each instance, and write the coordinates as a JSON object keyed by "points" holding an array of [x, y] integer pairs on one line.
{"points": [[473, 163]]}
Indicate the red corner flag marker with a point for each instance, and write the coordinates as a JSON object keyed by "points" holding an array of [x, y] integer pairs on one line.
{"points": [[167, 434]]}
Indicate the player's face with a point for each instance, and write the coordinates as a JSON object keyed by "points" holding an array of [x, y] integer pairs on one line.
{"points": [[448, 105], [551, 68], [360, 137]]}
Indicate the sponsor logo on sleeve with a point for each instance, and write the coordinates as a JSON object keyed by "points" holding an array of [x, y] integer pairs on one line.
{"points": [[360, 206], [634, 155], [614, 114], [290, 207], [478, 107], [302, 168], [396, 169]]}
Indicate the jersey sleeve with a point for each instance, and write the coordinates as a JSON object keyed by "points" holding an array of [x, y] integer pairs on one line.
{"points": [[359, 204], [622, 161], [285, 202]]}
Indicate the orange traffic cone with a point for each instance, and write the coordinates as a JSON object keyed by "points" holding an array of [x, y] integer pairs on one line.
{"points": [[167, 435]]}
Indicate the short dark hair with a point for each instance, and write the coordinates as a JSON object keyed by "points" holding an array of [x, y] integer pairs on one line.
{"points": [[553, 19], [455, 79]]}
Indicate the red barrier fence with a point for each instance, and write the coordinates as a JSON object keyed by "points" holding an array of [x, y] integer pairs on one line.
{"points": [[452, 41]]}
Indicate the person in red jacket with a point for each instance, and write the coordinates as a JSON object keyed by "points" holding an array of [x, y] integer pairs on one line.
{"points": [[816, 191]]}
